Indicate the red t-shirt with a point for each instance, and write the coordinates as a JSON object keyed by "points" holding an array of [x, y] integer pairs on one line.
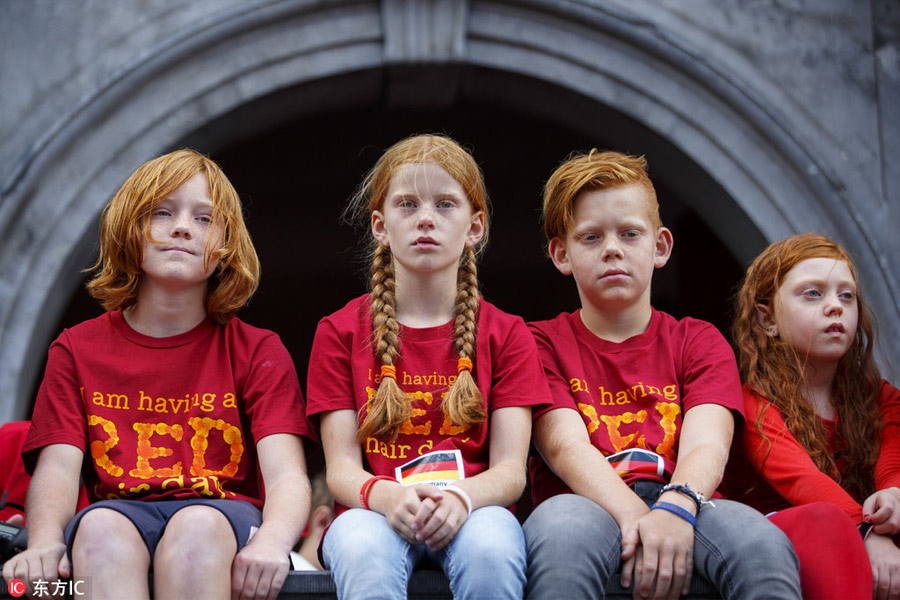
{"points": [[343, 374], [789, 476], [632, 395], [167, 418]]}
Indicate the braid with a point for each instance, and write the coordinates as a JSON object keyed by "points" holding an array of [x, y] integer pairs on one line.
{"points": [[464, 403], [389, 408]]}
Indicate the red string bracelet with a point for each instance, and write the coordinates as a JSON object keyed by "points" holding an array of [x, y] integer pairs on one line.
{"points": [[367, 486]]}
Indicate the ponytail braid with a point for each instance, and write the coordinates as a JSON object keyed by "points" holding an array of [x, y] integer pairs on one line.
{"points": [[389, 408], [464, 403]]}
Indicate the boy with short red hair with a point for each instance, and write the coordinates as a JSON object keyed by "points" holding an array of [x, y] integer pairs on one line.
{"points": [[643, 414]]}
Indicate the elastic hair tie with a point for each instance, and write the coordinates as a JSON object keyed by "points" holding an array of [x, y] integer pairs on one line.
{"points": [[464, 364], [389, 371], [462, 495], [367, 487]]}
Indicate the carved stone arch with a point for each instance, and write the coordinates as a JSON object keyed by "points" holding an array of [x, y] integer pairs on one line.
{"points": [[745, 135]]}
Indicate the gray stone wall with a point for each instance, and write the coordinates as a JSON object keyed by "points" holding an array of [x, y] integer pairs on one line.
{"points": [[790, 106]]}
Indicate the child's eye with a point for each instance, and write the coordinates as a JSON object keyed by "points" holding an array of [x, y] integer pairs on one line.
{"points": [[205, 219], [812, 293], [590, 237], [160, 212], [445, 204], [631, 234], [406, 204], [847, 296]]}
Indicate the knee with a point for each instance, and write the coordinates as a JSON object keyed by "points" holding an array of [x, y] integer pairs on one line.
{"points": [[196, 537], [569, 524], [91, 546], [741, 531], [359, 536], [497, 538], [817, 527]]}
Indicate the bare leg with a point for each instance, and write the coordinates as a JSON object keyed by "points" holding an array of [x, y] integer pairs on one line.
{"points": [[109, 554], [194, 556]]}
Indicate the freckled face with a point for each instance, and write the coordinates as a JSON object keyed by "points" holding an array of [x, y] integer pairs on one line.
{"points": [[816, 309], [426, 219], [181, 225], [612, 247]]}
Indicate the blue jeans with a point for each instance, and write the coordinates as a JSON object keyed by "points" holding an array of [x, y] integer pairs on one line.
{"points": [[574, 547], [367, 558]]}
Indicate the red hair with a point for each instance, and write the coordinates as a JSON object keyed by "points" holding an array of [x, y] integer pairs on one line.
{"points": [[775, 372], [590, 172], [389, 408], [125, 226]]}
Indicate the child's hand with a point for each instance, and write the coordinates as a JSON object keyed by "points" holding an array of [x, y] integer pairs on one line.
{"points": [[408, 504], [882, 509], [47, 563], [659, 549], [16, 520], [258, 571], [438, 526], [884, 556]]}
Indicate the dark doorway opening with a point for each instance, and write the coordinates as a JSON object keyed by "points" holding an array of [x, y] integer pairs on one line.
{"points": [[296, 171]]}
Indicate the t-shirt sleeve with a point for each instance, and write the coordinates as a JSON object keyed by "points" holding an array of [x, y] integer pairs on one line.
{"points": [[518, 378], [710, 371], [59, 416], [887, 469], [788, 468], [559, 389], [330, 382], [272, 395]]}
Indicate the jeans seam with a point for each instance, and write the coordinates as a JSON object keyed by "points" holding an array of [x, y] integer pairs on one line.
{"points": [[712, 549]]}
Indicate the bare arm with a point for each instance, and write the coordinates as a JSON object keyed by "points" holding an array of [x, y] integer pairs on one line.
{"points": [[664, 557], [703, 445], [504, 480], [50, 505], [562, 439], [260, 568]]}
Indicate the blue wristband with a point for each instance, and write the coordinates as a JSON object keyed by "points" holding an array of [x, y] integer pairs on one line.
{"points": [[676, 510]]}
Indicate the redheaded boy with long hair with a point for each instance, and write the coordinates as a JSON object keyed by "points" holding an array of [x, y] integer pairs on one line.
{"points": [[174, 410]]}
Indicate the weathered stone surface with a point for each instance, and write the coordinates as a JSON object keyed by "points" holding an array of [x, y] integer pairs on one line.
{"points": [[787, 108]]}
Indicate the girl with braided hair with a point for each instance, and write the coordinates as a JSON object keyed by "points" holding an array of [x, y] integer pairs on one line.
{"points": [[424, 391], [822, 425]]}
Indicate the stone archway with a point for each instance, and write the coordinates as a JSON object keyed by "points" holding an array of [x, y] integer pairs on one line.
{"points": [[742, 134]]}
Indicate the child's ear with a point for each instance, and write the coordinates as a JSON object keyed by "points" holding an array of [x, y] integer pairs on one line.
{"points": [[378, 229], [476, 229], [664, 243], [766, 320], [559, 254]]}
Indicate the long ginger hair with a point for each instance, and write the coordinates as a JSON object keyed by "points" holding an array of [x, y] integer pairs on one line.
{"points": [[125, 224], [463, 403], [775, 372]]}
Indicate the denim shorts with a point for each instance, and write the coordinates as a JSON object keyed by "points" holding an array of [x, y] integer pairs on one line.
{"points": [[151, 517]]}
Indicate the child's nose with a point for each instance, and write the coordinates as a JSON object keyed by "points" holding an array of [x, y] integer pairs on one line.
{"points": [[426, 216], [611, 249], [833, 305], [182, 227]]}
